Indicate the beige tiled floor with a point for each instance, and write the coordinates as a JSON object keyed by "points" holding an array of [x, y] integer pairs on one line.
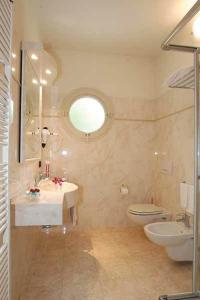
{"points": [[103, 265]]}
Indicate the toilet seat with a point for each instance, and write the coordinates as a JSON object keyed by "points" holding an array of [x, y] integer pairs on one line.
{"points": [[143, 214], [145, 209]]}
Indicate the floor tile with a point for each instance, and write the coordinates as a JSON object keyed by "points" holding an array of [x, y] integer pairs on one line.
{"points": [[106, 264]]}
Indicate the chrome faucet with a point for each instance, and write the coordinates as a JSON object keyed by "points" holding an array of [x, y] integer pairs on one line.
{"points": [[38, 178], [183, 217]]}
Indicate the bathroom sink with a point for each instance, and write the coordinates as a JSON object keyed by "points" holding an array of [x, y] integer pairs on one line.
{"points": [[48, 185], [49, 208], [67, 191]]}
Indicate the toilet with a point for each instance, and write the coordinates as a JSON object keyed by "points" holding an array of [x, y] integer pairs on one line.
{"points": [[174, 236], [143, 214]]}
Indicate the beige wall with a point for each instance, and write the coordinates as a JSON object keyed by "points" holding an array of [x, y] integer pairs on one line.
{"points": [[124, 154]]}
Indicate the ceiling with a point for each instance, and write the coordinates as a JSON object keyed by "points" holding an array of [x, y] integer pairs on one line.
{"points": [[111, 26]]}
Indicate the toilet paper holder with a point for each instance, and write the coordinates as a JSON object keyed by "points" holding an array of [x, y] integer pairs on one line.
{"points": [[124, 189]]}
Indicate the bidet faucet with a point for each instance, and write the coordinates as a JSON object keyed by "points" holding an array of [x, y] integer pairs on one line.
{"points": [[183, 217]]}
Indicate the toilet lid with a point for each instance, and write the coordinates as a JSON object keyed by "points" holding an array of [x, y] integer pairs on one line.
{"points": [[145, 209]]}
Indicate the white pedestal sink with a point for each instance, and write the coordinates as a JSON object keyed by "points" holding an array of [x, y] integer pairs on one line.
{"points": [[48, 208]]}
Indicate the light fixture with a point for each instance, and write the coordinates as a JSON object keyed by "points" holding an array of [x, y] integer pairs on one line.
{"points": [[64, 152], [13, 69], [13, 55], [34, 56], [196, 27], [43, 81], [34, 81], [48, 72]]}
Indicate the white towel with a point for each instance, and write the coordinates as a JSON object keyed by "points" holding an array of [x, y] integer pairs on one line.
{"points": [[181, 78], [190, 202], [183, 195]]}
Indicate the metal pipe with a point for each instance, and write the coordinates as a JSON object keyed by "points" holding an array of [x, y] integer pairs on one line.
{"points": [[181, 48], [185, 296], [191, 13], [195, 284]]}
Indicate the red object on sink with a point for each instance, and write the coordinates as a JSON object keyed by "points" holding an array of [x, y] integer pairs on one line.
{"points": [[57, 180]]}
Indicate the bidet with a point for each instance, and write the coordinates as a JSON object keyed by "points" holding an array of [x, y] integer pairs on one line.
{"points": [[174, 236]]}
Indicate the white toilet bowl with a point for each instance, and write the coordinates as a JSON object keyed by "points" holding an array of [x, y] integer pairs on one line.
{"points": [[143, 214], [174, 236]]}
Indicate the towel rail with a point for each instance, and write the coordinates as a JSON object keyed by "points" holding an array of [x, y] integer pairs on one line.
{"points": [[5, 77]]}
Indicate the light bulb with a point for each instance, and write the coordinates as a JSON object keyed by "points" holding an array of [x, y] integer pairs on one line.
{"points": [[48, 72], [43, 81], [14, 55], [34, 81], [34, 56], [64, 152], [196, 27], [13, 69]]}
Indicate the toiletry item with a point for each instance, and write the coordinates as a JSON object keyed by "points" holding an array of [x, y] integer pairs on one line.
{"points": [[58, 181], [33, 193], [47, 168]]}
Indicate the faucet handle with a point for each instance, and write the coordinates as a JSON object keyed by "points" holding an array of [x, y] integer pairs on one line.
{"points": [[185, 218], [180, 217]]}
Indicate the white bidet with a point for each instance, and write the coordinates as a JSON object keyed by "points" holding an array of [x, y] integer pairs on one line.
{"points": [[174, 236]]}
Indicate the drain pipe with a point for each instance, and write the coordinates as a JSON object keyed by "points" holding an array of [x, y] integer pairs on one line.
{"points": [[179, 297]]}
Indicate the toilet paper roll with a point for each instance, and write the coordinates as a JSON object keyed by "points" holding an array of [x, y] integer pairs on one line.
{"points": [[124, 189]]}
